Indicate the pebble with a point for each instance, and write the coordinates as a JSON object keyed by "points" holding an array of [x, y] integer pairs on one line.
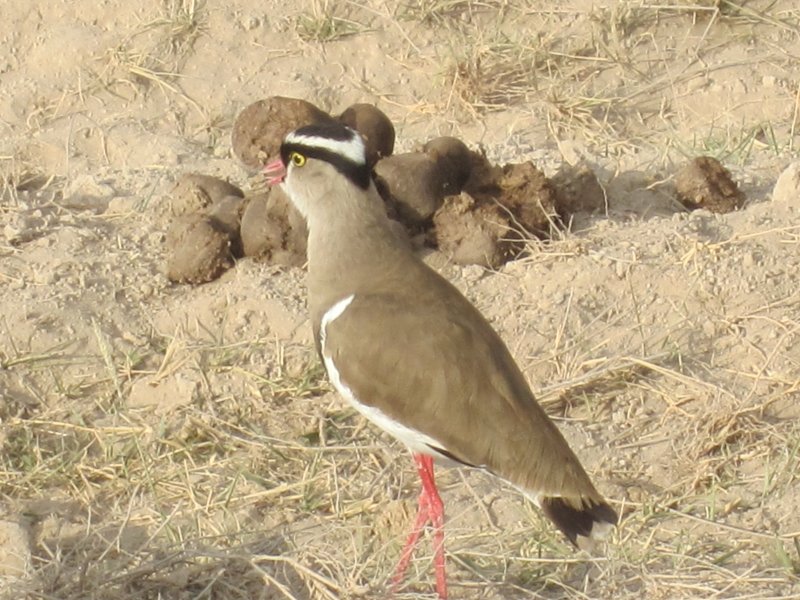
{"points": [[472, 273], [787, 187], [121, 205], [15, 551], [86, 193], [19, 229], [249, 23], [709, 329]]}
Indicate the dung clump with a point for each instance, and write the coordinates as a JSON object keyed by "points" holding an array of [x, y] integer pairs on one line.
{"points": [[705, 183], [197, 250], [273, 230], [415, 184], [195, 192], [375, 128], [260, 128]]}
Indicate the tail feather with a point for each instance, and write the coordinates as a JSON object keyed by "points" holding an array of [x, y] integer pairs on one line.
{"points": [[591, 521]]}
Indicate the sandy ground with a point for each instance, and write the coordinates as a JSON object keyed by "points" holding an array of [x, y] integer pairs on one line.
{"points": [[167, 441]]}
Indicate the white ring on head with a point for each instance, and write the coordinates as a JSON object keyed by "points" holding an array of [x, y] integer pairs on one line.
{"points": [[352, 149]]}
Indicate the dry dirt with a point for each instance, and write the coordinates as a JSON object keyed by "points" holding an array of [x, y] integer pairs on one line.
{"points": [[175, 441]]}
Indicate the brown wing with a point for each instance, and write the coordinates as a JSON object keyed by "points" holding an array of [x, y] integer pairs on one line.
{"points": [[460, 386]]}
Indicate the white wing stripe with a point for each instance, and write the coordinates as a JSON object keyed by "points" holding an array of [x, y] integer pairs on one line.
{"points": [[415, 440], [333, 313]]}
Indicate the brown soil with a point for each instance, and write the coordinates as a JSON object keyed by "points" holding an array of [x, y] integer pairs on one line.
{"points": [[181, 441]]}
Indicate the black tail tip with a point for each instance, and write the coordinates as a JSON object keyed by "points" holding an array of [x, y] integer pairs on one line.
{"points": [[593, 521]]}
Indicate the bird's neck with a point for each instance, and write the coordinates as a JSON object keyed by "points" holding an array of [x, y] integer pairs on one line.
{"points": [[346, 258]]}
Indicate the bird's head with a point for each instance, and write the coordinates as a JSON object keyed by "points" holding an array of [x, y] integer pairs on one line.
{"points": [[319, 162]]}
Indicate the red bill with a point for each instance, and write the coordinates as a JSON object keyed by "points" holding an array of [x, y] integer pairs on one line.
{"points": [[275, 172]]}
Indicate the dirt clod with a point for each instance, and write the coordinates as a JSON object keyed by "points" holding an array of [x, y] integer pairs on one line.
{"points": [[454, 157], [260, 128], [705, 183], [577, 190], [197, 250], [414, 184], [530, 198], [787, 187], [473, 232], [194, 192], [411, 185], [499, 208], [484, 176], [226, 215], [374, 126], [273, 230]]}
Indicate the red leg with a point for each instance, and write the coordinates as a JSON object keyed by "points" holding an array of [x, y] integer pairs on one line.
{"points": [[423, 516], [430, 509], [436, 514]]}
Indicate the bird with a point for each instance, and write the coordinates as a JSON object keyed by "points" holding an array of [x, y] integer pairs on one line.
{"points": [[409, 352]]}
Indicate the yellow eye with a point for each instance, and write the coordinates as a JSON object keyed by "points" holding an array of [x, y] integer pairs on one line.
{"points": [[298, 160]]}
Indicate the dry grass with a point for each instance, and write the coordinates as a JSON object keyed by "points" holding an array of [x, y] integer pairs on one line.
{"points": [[260, 485], [275, 491], [586, 79], [149, 57], [327, 22]]}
